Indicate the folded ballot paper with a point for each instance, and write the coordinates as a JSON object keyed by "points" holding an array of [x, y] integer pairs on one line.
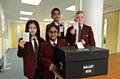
{"points": [[79, 45]]}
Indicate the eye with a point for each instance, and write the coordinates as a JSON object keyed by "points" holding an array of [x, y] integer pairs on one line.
{"points": [[34, 28], [82, 16]]}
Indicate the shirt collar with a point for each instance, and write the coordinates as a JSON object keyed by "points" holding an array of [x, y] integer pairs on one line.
{"points": [[56, 23], [81, 26], [33, 38], [52, 42]]}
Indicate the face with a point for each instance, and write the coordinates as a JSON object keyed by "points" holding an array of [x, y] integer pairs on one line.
{"points": [[56, 16], [80, 18], [32, 29], [53, 33]]}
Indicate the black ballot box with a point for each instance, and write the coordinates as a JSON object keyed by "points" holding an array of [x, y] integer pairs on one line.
{"points": [[77, 63]]}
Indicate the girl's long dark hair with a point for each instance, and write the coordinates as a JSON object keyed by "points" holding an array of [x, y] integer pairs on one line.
{"points": [[37, 26]]}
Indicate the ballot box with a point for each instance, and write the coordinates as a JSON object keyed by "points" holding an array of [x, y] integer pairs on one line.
{"points": [[77, 63]]}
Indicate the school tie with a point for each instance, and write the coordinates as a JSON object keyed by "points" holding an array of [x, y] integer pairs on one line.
{"points": [[79, 34], [54, 44], [54, 48], [36, 50]]}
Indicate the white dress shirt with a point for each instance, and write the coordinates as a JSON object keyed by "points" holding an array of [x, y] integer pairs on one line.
{"points": [[53, 42], [32, 40]]}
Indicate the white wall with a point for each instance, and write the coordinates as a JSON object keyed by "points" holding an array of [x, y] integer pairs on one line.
{"points": [[2, 31], [1, 45]]}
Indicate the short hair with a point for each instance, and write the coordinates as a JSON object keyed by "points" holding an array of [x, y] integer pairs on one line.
{"points": [[79, 12], [55, 9]]}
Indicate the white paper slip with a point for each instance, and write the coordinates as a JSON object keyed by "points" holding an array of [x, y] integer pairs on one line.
{"points": [[26, 37], [75, 25], [61, 29], [79, 45]]}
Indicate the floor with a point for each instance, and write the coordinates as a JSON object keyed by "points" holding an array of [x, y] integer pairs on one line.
{"points": [[13, 69], [113, 68]]}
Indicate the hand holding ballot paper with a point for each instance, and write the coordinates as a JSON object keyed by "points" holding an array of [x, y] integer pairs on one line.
{"points": [[24, 39], [76, 29]]}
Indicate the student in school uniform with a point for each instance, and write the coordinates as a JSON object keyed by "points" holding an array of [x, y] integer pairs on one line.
{"points": [[56, 16], [49, 68], [83, 33], [29, 50]]}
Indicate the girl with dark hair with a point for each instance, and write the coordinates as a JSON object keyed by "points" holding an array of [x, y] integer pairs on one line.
{"points": [[47, 58], [29, 50]]}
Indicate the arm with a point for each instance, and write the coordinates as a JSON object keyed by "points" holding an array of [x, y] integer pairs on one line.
{"points": [[21, 49], [91, 38], [45, 60], [56, 71], [69, 37], [64, 42]]}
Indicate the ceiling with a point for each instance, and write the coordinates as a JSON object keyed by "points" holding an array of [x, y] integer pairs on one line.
{"points": [[110, 5], [12, 8]]}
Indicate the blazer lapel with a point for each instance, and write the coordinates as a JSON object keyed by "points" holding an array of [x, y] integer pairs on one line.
{"points": [[83, 30]]}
